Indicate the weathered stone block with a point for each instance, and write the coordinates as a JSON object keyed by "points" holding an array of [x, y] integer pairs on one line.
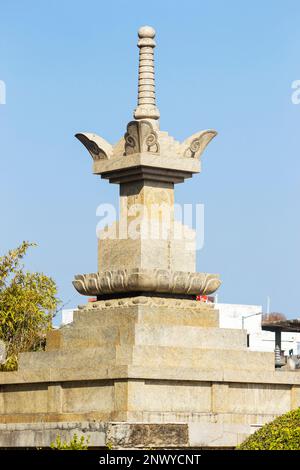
{"points": [[138, 435]]}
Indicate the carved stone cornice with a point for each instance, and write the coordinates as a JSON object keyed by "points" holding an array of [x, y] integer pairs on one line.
{"points": [[146, 280]]}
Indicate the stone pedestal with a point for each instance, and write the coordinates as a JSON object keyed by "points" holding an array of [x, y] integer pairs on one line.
{"points": [[153, 367]]}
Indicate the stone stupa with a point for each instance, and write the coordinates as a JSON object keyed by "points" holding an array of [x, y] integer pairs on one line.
{"points": [[145, 364]]}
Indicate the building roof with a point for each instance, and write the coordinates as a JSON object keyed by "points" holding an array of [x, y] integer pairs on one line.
{"points": [[283, 325]]}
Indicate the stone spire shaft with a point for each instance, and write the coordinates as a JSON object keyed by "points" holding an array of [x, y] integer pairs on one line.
{"points": [[146, 108]]}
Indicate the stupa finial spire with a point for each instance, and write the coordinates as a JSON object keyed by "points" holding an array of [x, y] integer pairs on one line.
{"points": [[146, 108]]}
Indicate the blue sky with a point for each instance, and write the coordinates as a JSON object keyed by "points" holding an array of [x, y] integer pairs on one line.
{"points": [[71, 66]]}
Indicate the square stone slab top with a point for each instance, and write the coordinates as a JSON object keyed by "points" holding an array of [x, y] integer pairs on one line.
{"points": [[146, 166], [146, 280], [146, 153]]}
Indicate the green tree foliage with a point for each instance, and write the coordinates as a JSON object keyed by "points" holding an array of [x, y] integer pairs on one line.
{"points": [[74, 444], [27, 304], [281, 434]]}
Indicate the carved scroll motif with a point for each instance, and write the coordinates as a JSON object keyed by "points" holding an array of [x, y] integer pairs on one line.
{"points": [[195, 145], [140, 137], [98, 147]]}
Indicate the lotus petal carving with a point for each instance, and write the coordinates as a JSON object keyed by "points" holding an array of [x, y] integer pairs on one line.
{"points": [[144, 280]]}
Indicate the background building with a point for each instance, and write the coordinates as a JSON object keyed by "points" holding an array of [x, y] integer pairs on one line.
{"points": [[249, 317]]}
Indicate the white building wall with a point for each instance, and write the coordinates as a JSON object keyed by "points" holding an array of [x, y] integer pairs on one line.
{"points": [[231, 316], [67, 316]]}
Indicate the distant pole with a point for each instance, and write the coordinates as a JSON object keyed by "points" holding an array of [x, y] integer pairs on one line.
{"points": [[248, 316], [268, 304]]}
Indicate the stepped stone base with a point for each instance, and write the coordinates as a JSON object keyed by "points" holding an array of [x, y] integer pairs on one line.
{"points": [[144, 362]]}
